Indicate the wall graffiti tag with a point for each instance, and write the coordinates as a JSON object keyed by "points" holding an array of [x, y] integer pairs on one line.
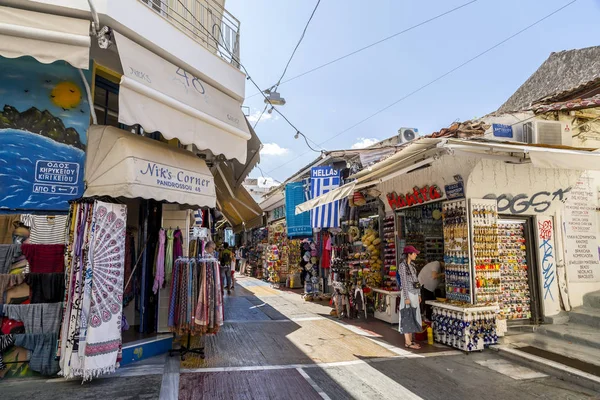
{"points": [[523, 203], [545, 236]]}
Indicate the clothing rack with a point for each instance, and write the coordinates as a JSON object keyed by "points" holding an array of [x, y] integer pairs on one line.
{"points": [[176, 285]]}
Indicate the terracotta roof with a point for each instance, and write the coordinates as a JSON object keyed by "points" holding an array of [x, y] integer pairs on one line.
{"points": [[462, 130], [561, 73], [575, 104]]}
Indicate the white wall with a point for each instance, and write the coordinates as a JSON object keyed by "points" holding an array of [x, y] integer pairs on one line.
{"points": [[144, 26]]}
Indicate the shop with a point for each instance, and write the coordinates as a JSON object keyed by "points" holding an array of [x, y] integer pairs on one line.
{"points": [[491, 220]]}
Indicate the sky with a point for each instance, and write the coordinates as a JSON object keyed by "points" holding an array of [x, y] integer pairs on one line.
{"points": [[57, 87], [328, 101]]}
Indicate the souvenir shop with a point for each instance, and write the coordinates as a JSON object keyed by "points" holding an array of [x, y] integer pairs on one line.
{"points": [[488, 223]]}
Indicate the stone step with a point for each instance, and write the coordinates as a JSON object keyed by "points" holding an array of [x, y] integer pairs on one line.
{"points": [[575, 333], [585, 316], [592, 300]]}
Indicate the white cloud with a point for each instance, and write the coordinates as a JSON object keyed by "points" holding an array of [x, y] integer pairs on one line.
{"points": [[265, 117], [273, 149], [364, 142]]}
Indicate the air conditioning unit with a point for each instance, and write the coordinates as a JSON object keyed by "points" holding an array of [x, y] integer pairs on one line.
{"points": [[407, 134], [547, 132]]}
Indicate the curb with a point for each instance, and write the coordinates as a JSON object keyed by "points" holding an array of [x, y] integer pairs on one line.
{"points": [[549, 367]]}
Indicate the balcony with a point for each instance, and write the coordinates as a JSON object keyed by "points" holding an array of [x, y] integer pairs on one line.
{"points": [[205, 21]]}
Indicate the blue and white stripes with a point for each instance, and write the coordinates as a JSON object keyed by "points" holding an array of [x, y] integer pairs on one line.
{"points": [[324, 180]]}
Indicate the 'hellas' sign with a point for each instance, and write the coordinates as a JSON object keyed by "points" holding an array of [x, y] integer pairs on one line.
{"points": [[414, 198]]}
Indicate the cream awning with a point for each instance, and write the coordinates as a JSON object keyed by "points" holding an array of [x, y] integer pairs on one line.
{"points": [[163, 97], [45, 37], [122, 164], [579, 161], [236, 204]]}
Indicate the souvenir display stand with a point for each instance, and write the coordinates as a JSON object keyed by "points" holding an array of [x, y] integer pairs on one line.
{"points": [[385, 305], [390, 267], [468, 328], [456, 251]]}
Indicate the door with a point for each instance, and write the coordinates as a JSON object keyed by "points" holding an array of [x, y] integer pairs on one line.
{"points": [[519, 271]]}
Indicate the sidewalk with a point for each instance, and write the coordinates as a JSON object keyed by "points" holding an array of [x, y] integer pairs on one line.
{"points": [[274, 345]]}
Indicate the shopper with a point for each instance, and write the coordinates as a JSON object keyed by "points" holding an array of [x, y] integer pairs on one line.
{"points": [[431, 278], [243, 259], [209, 249], [410, 313], [225, 259]]}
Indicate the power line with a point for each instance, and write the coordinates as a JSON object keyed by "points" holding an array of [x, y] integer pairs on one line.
{"points": [[370, 45], [260, 116], [298, 44], [435, 80]]}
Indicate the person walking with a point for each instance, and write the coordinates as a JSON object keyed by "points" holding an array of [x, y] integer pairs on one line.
{"points": [[410, 313], [225, 258], [243, 259]]}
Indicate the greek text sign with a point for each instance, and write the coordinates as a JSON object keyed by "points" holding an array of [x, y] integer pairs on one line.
{"points": [[418, 196], [581, 232]]}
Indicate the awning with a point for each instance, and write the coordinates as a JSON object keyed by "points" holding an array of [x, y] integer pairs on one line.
{"points": [[45, 37], [122, 164], [579, 161], [236, 204], [164, 98], [241, 170]]}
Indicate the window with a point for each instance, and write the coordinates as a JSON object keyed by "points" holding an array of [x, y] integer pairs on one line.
{"points": [[106, 104]]}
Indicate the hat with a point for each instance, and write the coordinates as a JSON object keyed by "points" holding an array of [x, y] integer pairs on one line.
{"points": [[410, 249]]}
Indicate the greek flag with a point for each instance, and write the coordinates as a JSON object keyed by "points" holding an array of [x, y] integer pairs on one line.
{"points": [[323, 180]]}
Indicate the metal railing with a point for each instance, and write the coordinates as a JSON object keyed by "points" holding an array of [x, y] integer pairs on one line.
{"points": [[205, 21]]}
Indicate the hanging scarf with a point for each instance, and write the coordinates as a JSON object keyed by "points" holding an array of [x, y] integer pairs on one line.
{"points": [[169, 255], [159, 277]]}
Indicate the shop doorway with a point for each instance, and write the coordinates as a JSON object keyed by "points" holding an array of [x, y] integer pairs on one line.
{"points": [[520, 300]]}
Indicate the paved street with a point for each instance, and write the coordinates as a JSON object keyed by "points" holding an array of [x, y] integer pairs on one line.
{"points": [[276, 346]]}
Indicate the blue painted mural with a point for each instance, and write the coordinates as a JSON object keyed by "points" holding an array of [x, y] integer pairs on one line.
{"points": [[44, 116]]}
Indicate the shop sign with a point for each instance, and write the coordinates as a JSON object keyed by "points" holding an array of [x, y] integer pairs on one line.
{"points": [[581, 232], [418, 196], [501, 130], [455, 190], [169, 177]]}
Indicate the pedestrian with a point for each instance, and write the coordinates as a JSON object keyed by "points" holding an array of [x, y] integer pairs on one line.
{"points": [[408, 281], [234, 261], [225, 258], [243, 259]]}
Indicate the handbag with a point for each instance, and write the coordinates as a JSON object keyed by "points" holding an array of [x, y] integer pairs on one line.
{"points": [[408, 320]]}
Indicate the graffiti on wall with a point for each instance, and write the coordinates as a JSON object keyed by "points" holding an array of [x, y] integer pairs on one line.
{"points": [[523, 203], [44, 116], [547, 252]]}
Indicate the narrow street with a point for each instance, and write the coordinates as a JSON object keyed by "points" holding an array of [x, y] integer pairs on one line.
{"points": [[274, 345]]}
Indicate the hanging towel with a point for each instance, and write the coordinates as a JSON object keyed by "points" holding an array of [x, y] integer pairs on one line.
{"points": [[8, 254], [159, 277], [46, 288], [5, 342], [45, 258], [41, 348], [37, 318], [46, 229], [8, 281]]}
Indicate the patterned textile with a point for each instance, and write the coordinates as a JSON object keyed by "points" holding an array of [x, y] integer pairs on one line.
{"points": [[46, 258], [5, 342], [37, 318], [41, 348], [46, 288], [159, 277], [209, 310], [169, 255], [8, 254], [106, 257]]}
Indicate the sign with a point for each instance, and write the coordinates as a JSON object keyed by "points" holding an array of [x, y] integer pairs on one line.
{"points": [[44, 116], [581, 232], [455, 190], [296, 225], [323, 180], [418, 196], [547, 256], [165, 176], [501, 130]]}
